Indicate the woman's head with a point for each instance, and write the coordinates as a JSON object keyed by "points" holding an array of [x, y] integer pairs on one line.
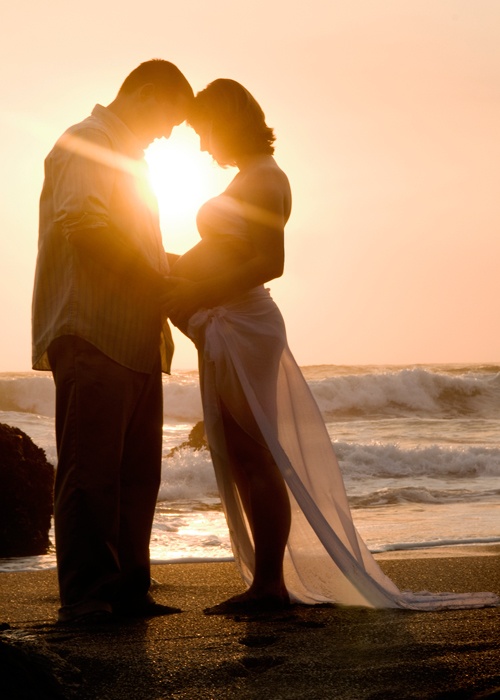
{"points": [[229, 117]]}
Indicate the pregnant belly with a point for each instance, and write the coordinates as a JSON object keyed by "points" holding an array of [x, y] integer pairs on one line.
{"points": [[207, 258]]}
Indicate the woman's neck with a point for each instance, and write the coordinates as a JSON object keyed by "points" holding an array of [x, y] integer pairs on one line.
{"points": [[247, 161]]}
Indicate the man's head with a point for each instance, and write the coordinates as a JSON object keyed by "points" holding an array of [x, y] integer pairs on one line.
{"points": [[153, 99]]}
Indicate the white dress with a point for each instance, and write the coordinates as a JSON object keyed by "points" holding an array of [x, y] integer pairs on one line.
{"points": [[246, 364]]}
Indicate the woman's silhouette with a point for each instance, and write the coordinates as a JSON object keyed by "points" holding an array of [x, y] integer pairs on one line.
{"points": [[290, 524]]}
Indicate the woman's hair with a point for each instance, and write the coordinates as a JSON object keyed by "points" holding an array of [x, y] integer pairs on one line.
{"points": [[165, 76], [235, 117]]}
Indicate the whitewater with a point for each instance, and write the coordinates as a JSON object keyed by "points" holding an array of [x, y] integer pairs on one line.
{"points": [[418, 446]]}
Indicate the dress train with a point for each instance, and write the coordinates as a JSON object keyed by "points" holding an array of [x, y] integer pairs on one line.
{"points": [[246, 364]]}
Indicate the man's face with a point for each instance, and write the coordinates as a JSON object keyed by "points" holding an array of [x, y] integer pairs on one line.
{"points": [[159, 115]]}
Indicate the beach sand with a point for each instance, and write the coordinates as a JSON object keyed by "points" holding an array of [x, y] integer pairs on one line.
{"points": [[316, 653]]}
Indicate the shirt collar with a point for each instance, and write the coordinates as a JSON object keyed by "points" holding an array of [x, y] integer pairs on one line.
{"points": [[129, 141]]}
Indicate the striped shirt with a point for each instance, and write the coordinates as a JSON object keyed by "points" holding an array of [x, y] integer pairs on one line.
{"points": [[96, 176]]}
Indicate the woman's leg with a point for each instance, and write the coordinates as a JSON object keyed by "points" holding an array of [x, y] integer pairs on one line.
{"points": [[265, 499]]}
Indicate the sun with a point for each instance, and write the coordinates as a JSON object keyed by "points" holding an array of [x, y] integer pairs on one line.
{"points": [[182, 178]]}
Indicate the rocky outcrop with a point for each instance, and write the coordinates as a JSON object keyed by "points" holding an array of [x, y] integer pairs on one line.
{"points": [[31, 670], [26, 495], [196, 439]]}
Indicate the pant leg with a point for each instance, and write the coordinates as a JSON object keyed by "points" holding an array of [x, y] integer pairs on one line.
{"points": [[140, 481], [96, 401]]}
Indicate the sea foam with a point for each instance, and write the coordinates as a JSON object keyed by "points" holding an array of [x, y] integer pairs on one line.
{"points": [[398, 392]]}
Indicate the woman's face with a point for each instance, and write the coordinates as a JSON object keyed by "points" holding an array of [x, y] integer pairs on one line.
{"points": [[212, 143]]}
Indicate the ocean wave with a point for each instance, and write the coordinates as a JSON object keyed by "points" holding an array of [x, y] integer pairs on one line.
{"points": [[418, 392], [27, 392], [34, 393], [429, 544], [182, 400], [374, 474], [187, 475], [368, 393], [358, 461], [414, 494]]}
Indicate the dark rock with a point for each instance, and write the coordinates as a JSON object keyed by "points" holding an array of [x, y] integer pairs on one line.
{"points": [[26, 495], [196, 440], [31, 670]]}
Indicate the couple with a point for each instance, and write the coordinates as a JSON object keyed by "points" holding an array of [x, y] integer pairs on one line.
{"points": [[104, 287]]}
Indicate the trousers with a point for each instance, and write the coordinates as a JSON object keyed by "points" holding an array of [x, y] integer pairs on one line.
{"points": [[109, 422]]}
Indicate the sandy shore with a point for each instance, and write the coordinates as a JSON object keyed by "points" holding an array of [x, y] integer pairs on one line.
{"points": [[316, 653]]}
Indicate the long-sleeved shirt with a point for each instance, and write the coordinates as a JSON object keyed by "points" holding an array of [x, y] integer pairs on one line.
{"points": [[96, 177]]}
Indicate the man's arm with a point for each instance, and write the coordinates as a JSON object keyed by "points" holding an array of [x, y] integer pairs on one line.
{"points": [[106, 249], [172, 259]]}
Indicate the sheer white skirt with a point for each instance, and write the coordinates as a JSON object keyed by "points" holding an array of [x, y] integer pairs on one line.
{"points": [[245, 364]]}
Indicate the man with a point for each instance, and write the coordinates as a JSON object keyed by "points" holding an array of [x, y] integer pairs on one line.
{"points": [[98, 325]]}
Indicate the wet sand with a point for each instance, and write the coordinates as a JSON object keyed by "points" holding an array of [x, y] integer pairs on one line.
{"points": [[316, 653]]}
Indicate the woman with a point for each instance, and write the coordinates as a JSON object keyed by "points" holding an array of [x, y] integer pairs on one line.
{"points": [[282, 491]]}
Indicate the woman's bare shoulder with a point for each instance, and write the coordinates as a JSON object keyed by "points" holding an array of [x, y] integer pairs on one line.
{"points": [[259, 181]]}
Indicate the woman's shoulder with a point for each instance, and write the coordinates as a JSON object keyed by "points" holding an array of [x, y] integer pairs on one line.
{"points": [[263, 165], [261, 175]]}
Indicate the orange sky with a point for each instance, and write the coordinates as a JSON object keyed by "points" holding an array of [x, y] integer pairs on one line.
{"points": [[387, 114]]}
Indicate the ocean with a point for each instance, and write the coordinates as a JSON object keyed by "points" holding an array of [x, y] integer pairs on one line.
{"points": [[418, 446]]}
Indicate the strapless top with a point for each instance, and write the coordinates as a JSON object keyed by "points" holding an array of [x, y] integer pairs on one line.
{"points": [[222, 216], [224, 240]]}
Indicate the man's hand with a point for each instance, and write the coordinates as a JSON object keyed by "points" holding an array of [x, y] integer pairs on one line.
{"points": [[180, 299]]}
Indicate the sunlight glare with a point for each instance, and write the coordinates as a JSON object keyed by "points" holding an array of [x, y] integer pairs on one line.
{"points": [[183, 178]]}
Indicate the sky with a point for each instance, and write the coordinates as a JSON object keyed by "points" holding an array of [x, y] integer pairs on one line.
{"points": [[387, 116]]}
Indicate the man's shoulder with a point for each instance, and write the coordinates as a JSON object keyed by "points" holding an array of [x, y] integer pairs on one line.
{"points": [[93, 124], [105, 129], [91, 130]]}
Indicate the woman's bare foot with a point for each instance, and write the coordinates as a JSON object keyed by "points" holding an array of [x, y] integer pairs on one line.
{"points": [[251, 603]]}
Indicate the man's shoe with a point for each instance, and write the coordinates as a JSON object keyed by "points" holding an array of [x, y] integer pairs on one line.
{"points": [[86, 612], [88, 619], [145, 607]]}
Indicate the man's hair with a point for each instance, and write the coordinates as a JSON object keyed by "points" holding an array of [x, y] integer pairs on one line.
{"points": [[235, 116], [165, 76]]}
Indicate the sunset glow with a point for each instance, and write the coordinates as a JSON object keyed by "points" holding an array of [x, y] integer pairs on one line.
{"points": [[183, 178], [386, 118]]}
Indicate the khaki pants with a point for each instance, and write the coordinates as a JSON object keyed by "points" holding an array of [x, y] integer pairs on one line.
{"points": [[109, 440]]}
